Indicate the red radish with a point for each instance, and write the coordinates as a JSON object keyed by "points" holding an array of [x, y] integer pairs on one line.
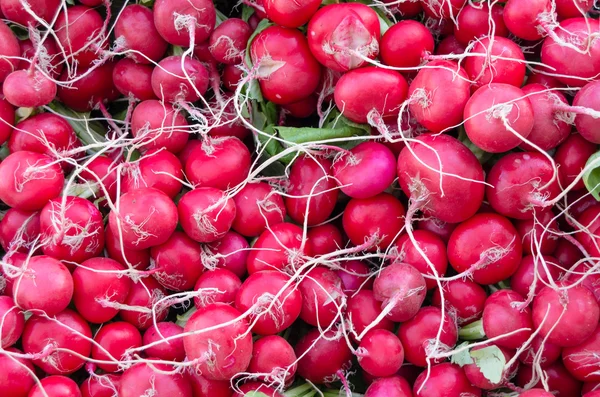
{"points": [[573, 8], [375, 221], [401, 289], [224, 328], [559, 380], [205, 387], [231, 253], [581, 361], [444, 380], [396, 50], [125, 256], [14, 11], [177, 79], [590, 389], [101, 171], [290, 14], [46, 285], [146, 217], [256, 387], [160, 379], [142, 48], [232, 74], [536, 393], [586, 121], [338, 33], [96, 282], [17, 376], [156, 169], [133, 79], [19, 230], [394, 386], [354, 169], [571, 66], [380, 353], [575, 305], [527, 19], [522, 280], [257, 205], [224, 121], [440, 228], [7, 118], [503, 315], [37, 180], [303, 108], [312, 194], [184, 155], [545, 80], [408, 9], [160, 126], [418, 335], [28, 89], [177, 262], [548, 356], [362, 310], [322, 297], [206, 214], [354, 276], [112, 342], [518, 181], [85, 93], [434, 249], [450, 46], [225, 282], [442, 10], [78, 31], [273, 299], [10, 51], [571, 157], [279, 248], [464, 300], [435, 109], [48, 48], [228, 41], [12, 322], [274, 357], [579, 202], [538, 235], [144, 295], [484, 65], [55, 386], [66, 331], [286, 69], [381, 97], [178, 20], [566, 253], [220, 163], [446, 197], [321, 356], [100, 386], [324, 239], [16, 259], [475, 21], [587, 236], [476, 376], [591, 280]]}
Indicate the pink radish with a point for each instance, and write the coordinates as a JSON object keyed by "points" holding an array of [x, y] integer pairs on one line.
{"points": [[144, 48], [444, 380], [233, 253], [133, 79], [257, 205], [485, 67], [157, 169], [571, 157], [87, 92], [158, 378], [393, 386], [355, 276], [217, 286], [406, 44], [464, 300], [321, 357], [401, 289], [177, 21], [78, 30], [290, 14], [12, 322], [527, 19], [273, 356], [19, 230], [138, 259], [324, 239], [144, 296], [522, 280], [442, 10], [228, 41], [502, 315], [160, 125], [362, 310], [587, 103], [10, 51], [112, 342], [16, 377], [380, 353], [177, 262], [55, 386], [434, 249], [475, 21], [322, 297], [206, 214], [539, 235], [28, 89], [13, 10], [177, 79]]}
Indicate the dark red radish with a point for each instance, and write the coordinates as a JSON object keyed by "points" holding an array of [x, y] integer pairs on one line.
{"points": [[340, 35], [160, 379], [582, 360], [362, 309], [48, 48], [273, 299], [78, 30], [224, 121], [406, 44], [177, 79], [19, 230], [548, 355], [228, 41], [206, 214], [502, 315], [10, 51], [99, 281], [218, 285], [527, 19], [321, 356], [14, 11], [12, 322], [480, 20], [278, 248], [159, 125], [322, 297], [17, 375], [408, 9], [573, 8], [587, 232], [178, 20], [566, 253], [101, 172], [51, 340], [575, 305], [559, 380], [418, 335], [501, 62], [450, 46], [578, 203], [286, 69], [224, 327], [290, 14], [522, 280], [100, 386], [442, 10], [380, 353], [231, 76], [571, 157], [144, 296], [451, 197], [113, 341], [324, 239], [137, 259], [545, 80], [539, 235], [444, 380], [401, 289], [85, 93], [476, 376], [393, 386], [374, 222], [464, 300], [205, 387], [587, 106], [257, 205], [230, 252], [440, 228], [7, 118], [274, 358], [55, 386], [28, 89], [184, 155], [355, 276], [434, 249], [142, 48], [303, 108], [176, 263], [133, 79], [160, 170]]}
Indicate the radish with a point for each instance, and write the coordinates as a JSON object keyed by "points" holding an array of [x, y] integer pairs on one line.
{"points": [[157, 169], [363, 103], [475, 21], [133, 79], [401, 289], [157, 379], [408, 9], [450, 46], [28, 89], [112, 342], [444, 380], [96, 282], [224, 121], [225, 282], [538, 235], [53, 66], [224, 348], [228, 41], [258, 206], [527, 19], [231, 76], [418, 335], [279, 248], [588, 279], [502, 315], [290, 14], [14, 11], [12, 322], [536, 393], [52, 340], [80, 32], [522, 280], [274, 356], [100, 386], [394, 386], [380, 353], [9, 52], [573, 8], [220, 163], [138, 259], [232, 251], [571, 157], [559, 380], [7, 119], [286, 69], [446, 197], [575, 305], [204, 387], [324, 239], [464, 300], [177, 262], [85, 93], [478, 379], [55, 386], [322, 357], [101, 168], [396, 50], [587, 235], [275, 304], [341, 35], [251, 388], [549, 353], [442, 10], [160, 125], [142, 48], [484, 65], [177, 79], [206, 214], [440, 228], [434, 249], [179, 22], [545, 80], [566, 253], [140, 306], [581, 360], [16, 377], [362, 310], [302, 109], [586, 120], [354, 276], [19, 230], [322, 297]]}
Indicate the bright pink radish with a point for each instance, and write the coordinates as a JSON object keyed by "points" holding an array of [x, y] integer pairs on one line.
{"points": [[434, 249], [518, 181], [394, 386], [228, 331], [324, 239], [205, 387], [177, 79], [157, 169], [575, 305], [522, 280], [485, 67], [228, 41], [138, 259], [178, 20], [419, 333], [536, 393], [401, 289], [448, 198], [587, 103], [143, 48], [444, 10], [100, 386], [405, 44], [159, 125], [230, 252], [133, 79], [14, 11], [145, 296], [290, 14], [538, 235], [322, 356], [573, 8], [7, 119], [362, 309], [337, 33], [380, 353], [559, 380], [406, 9], [257, 205], [218, 285], [444, 380], [10, 50], [66, 331], [571, 157], [78, 31], [55, 386], [177, 262], [550, 353], [280, 248], [274, 358], [475, 21], [286, 69], [476, 376], [450, 45], [112, 342], [545, 80], [206, 214], [12, 322], [28, 89], [98, 281], [19, 230], [322, 297], [160, 379], [368, 94], [581, 361], [85, 93], [464, 299], [526, 18], [440, 228], [502, 315], [354, 276], [171, 350], [16, 378]]}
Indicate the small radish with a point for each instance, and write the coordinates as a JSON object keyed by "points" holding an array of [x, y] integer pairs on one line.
{"points": [[19, 230], [522, 280], [362, 310], [205, 387], [274, 357], [581, 360], [14, 11], [324, 239], [571, 157], [176, 79], [112, 342], [160, 379], [559, 381], [177, 262], [450, 46], [322, 356], [476, 376], [503, 315], [261, 389], [475, 21], [206, 214], [17, 376], [77, 29], [228, 41], [133, 79], [49, 48], [12, 322], [141, 305], [322, 297], [10, 51], [7, 119], [178, 20], [394, 386], [587, 103], [138, 259], [85, 93], [156, 169], [354, 276], [142, 48], [549, 353], [442, 10], [100, 386], [101, 172], [257, 205], [407, 9], [159, 125], [405, 44], [290, 14], [434, 249], [380, 353], [55, 386], [485, 66], [464, 300], [217, 286], [230, 252], [573, 8], [538, 235], [526, 18], [401, 289], [29, 89], [444, 380], [231, 76], [440, 228]]}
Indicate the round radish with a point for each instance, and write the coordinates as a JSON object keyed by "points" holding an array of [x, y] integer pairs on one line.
{"points": [[571, 157], [549, 353], [133, 79], [573, 8], [112, 342], [156, 169], [228, 41], [142, 48], [290, 14], [10, 51], [257, 205], [178, 20], [525, 18], [14, 11], [101, 171], [125, 256], [324, 239], [230, 252], [464, 300], [177, 262], [536, 393], [405, 44], [141, 304], [19, 230], [177, 79], [206, 214], [476, 376], [231, 76], [28, 89], [12, 322], [217, 286], [158, 379], [475, 21], [322, 297], [261, 389], [559, 380], [78, 30], [485, 66], [440, 228], [363, 309], [434, 249], [159, 125], [444, 380], [502, 315], [53, 66], [55, 386], [581, 361], [354, 276], [205, 387], [587, 123], [100, 386], [538, 235], [380, 353], [394, 386], [85, 93], [17, 375], [450, 46], [274, 357], [401, 289], [522, 280], [321, 356], [442, 10], [7, 119]]}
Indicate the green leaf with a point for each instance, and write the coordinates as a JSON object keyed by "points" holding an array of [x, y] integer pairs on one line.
{"points": [[147, 3], [19, 31], [255, 394], [462, 358], [182, 319], [491, 362], [591, 179], [220, 18], [247, 12], [262, 25]]}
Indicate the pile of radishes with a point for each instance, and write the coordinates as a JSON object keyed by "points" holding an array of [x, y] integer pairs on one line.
{"points": [[299, 198]]}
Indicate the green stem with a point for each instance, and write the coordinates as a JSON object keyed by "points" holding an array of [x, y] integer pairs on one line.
{"points": [[302, 390], [88, 132], [183, 318], [4, 152], [473, 331]]}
